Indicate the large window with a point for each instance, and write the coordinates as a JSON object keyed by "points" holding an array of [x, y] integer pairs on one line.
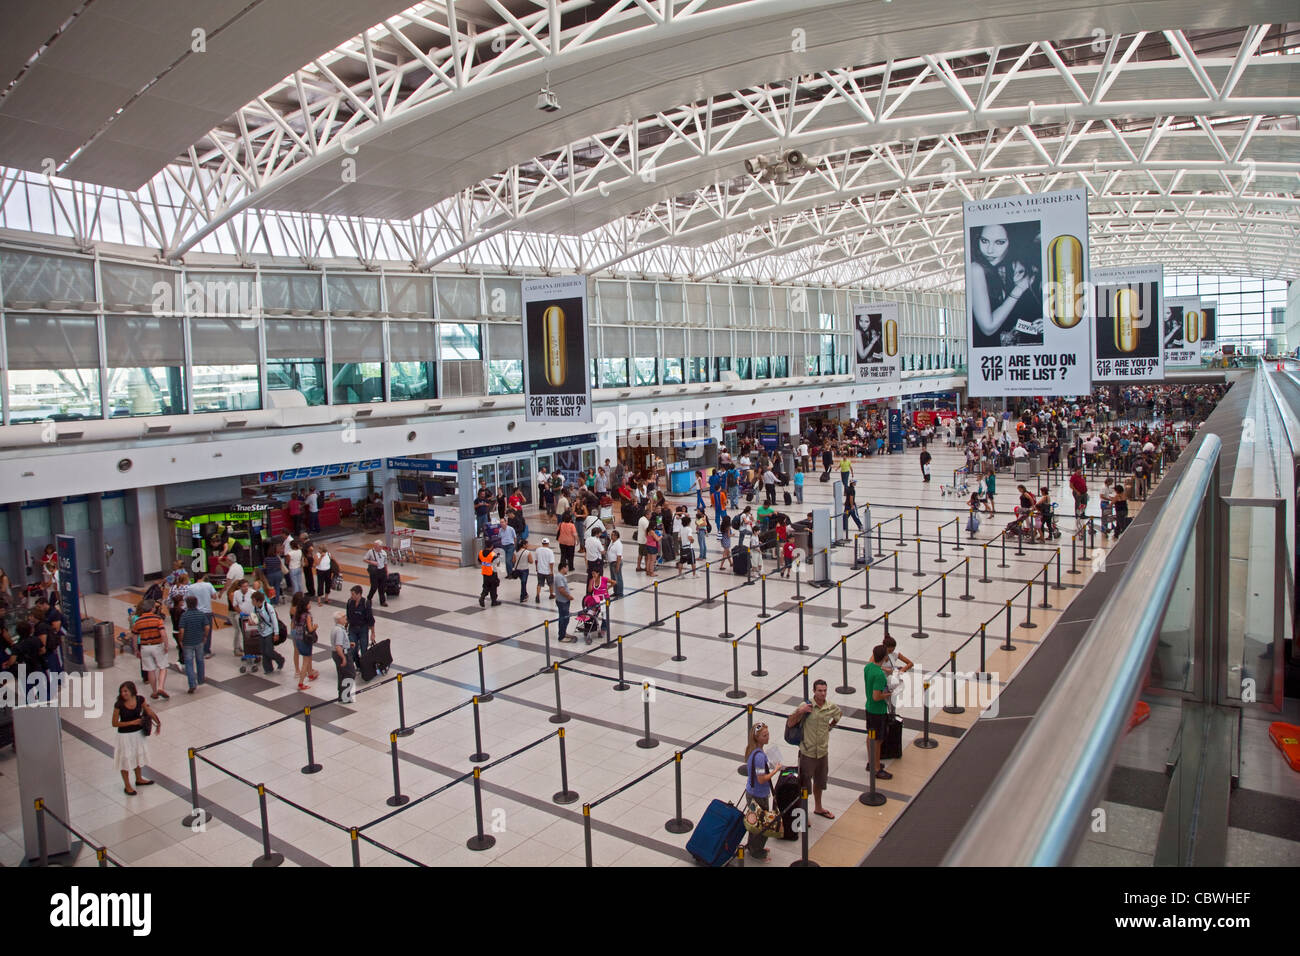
{"points": [[413, 369], [358, 373], [673, 372], [295, 358], [146, 365], [53, 367], [224, 356], [613, 373], [506, 366], [1243, 308], [462, 357]]}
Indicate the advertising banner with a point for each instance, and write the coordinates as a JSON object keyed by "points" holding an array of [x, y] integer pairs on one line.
{"points": [[1209, 326], [1026, 294], [895, 430], [875, 342], [70, 596], [1127, 311], [1182, 332], [557, 367]]}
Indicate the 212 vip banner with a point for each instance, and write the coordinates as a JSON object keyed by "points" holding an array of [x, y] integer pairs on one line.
{"points": [[875, 343], [1183, 329], [557, 376], [1026, 294], [1126, 326]]}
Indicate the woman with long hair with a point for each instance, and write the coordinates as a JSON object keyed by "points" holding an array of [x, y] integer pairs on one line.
{"points": [[1002, 283], [302, 629], [758, 784], [134, 719]]}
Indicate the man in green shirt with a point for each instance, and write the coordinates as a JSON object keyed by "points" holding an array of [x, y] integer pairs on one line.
{"points": [[814, 751], [877, 708], [846, 469]]}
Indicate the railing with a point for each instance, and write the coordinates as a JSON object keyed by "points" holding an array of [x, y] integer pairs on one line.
{"points": [[1057, 774]]}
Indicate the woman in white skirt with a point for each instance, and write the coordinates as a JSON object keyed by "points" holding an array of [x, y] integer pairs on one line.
{"points": [[131, 716]]}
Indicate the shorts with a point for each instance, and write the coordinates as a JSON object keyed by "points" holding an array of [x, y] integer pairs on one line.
{"points": [[153, 657], [547, 579], [303, 648], [879, 723], [641, 552], [814, 770]]}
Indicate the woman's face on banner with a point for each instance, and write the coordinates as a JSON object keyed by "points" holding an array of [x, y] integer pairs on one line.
{"points": [[993, 244]]}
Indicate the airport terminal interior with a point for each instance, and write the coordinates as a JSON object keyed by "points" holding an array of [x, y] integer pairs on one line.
{"points": [[582, 433]]}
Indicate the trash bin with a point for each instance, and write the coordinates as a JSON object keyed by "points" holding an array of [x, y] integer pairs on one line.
{"points": [[105, 648]]}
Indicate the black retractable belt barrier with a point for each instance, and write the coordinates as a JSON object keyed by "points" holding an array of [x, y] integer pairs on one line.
{"points": [[356, 846], [940, 559], [678, 824], [1058, 586], [758, 651], [1008, 646], [763, 590], [658, 621], [480, 840], [1004, 564], [622, 684], [546, 637], [920, 633], [943, 595], [197, 815], [708, 584], [478, 756], [801, 646], [1046, 603], [968, 596], [559, 717], [926, 742], [866, 584], [805, 683], [311, 766], [839, 605], [954, 708], [918, 573], [1029, 601], [846, 687], [956, 533], [586, 829], [896, 589], [564, 795], [267, 858], [735, 692], [677, 623], [398, 798], [725, 633]]}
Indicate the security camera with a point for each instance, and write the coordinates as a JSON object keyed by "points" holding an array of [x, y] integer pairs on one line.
{"points": [[754, 166], [547, 101], [795, 159]]}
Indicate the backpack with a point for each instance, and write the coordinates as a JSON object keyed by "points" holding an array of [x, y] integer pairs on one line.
{"points": [[794, 735], [154, 592]]}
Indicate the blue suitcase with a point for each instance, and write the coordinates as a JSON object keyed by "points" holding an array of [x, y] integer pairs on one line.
{"points": [[717, 834]]}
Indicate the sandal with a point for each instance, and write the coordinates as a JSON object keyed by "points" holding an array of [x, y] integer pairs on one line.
{"points": [[825, 813], [301, 685], [129, 792], [144, 783], [313, 675]]}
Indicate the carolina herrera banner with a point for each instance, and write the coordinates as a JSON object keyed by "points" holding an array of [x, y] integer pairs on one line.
{"points": [[875, 342], [1182, 332], [1127, 312], [557, 368], [1026, 294]]}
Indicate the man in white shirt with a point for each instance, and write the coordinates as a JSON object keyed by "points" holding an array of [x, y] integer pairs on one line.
{"points": [[377, 568], [602, 481], [563, 598], [544, 559], [313, 511], [241, 601], [293, 557], [642, 526], [203, 592], [802, 452], [614, 558], [595, 554], [1020, 452], [769, 486]]}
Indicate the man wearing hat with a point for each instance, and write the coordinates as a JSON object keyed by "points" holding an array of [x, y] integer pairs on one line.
{"points": [[544, 559], [377, 567]]}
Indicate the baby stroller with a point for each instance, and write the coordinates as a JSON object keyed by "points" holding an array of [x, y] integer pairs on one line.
{"points": [[590, 621], [1022, 525]]}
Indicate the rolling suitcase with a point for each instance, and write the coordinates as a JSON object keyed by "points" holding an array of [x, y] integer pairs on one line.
{"points": [[717, 834], [789, 499], [376, 660], [740, 560], [393, 585], [785, 798], [891, 748]]}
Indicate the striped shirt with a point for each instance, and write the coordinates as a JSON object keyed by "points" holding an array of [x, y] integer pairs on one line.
{"points": [[148, 628]]}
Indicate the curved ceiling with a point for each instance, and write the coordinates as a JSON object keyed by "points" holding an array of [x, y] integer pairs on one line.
{"points": [[420, 137]]}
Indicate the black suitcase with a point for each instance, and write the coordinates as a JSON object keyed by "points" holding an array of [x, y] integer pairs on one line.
{"points": [[826, 476], [891, 748], [785, 798], [393, 586], [376, 660], [740, 560], [789, 499]]}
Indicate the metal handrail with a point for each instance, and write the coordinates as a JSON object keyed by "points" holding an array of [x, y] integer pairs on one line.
{"points": [[1036, 813]]}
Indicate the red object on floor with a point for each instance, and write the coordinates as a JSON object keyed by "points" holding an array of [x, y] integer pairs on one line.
{"points": [[1140, 713], [1287, 739]]}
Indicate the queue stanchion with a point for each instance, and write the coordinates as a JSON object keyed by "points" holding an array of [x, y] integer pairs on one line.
{"points": [[1004, 564], [1008, 646], [1046, 604], [967, 596], [483, 694], [896, 589], [478, 756], [943, 595], [920, 632], [940, 559], [735, 693], [918, 573], [677, 627], [708, 584], [900, 529], [197, 815], [622, 684], [873, 797], [546, 637], [725, 633], [658, 621], [354, 836], [839, 605], [586, 830], [846, 687], [956, 533], [678, 824], [311, 766], [886, 618], [559, 717], [564, 795], [1058, 586], [398, 798], [1020, 541], [743, 769], [925, 742], [740, 856], [880, 551], [402, 730], [758, 651], [1074, 545], [804, 827], [763, 596], [984, 671], [267, 859], [647, 742], [866, 585], [953, 708], [805, 683], [1028, 622], [918, 520], [1092, 531], [801, 646], [480, 840], [604, 626], [798, 580]]}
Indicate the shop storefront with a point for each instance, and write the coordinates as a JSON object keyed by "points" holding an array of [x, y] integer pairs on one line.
{"points": [[425, 499], [760, 428], [202, 531]]}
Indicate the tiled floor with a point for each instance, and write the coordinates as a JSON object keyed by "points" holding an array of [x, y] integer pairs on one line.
{"points": [[631, 790]]}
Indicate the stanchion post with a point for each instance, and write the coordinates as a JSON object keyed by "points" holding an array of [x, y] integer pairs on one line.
{"points": [[956, 532], [1008, 646], [604, 626], [926, 742], [354, 836], [559, 717], [1046, 604], [880, 551], [920, 632], [622, 684], [677, 626], [678, 824], [725, 633], [798, 580], [483, 694], [873, 797], [267, 859], [311, 766], [801, 646], [546, 637], [846, 687], [480, 840], [918, 573], [586, 830], [1004, 564], [42, 838], [804, 825], [763, 596], [564, 795], [918, 520], [986, 579], [953, 708], [943, 595], [1074, 546], [940, 559], [758, 651], [735, 693], [896, 589], [708, 584], [197, 814], [658, 621], [1058, 586], [402, 729], [478, 756], [967, 596], [1029, 601], [647, 742], [839, 605], [886, 616], [398, 798], [805, 683], [866, 586]]}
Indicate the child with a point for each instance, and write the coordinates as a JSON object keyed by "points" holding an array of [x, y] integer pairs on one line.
{"points": [[787, 558]]}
